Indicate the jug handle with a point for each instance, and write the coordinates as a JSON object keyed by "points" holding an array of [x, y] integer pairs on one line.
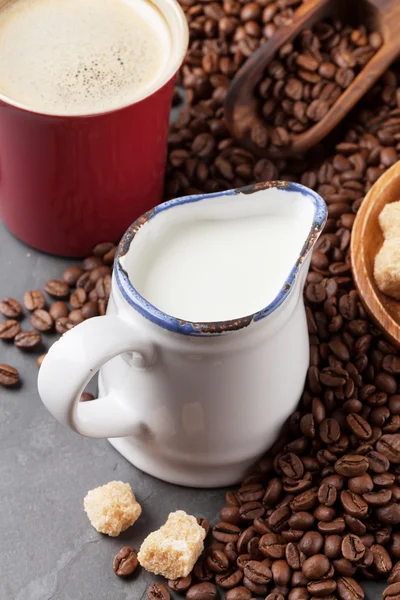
{"points": [[72, 362]]}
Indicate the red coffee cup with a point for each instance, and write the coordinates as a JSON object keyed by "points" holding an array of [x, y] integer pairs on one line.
{"points": [[69, 182]]}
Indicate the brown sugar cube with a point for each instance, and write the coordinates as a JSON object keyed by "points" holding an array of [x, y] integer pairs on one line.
{"points": [[173, 549], [112, 508], [389, 220], [387, 268]]}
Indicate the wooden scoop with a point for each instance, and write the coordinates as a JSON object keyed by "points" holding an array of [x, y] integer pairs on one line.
{"points": [[242, 107]]}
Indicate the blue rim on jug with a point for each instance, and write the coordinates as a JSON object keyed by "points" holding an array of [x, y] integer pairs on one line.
{"points": [[174, 324]]}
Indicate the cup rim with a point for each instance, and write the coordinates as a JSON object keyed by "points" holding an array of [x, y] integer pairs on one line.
{"points": [[176, 19], [191, 328]]}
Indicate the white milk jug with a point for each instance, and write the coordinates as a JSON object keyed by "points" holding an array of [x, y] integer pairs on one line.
{"points": [[204, 349]]}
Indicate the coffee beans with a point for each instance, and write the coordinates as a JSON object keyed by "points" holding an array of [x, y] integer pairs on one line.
{"points": [[381, 559], [353, 504], [180, 585], [352, 548], [91, 262], [85, 282], [311, 543], [230, 514], [34, 300], [57, 289], [361, 484], [392, 592], [27, 340], [11, 308], [95, 281], [158, 591], [201, 591], [9, 376], [40, 359], [41, 320], [233, 577], [322, 588], [327, 494], [217, 562], [78, 298], [352, 465], [239, 593], [257, 572], [379, 498], [279, 519], [302, 84], [63, 325], [71, 275], [99, 272], [102, 249], [201, 572], [205, 524], [389, 446], [359, 427], [9, 329], [349, 589], [291, 466], [126, 562], [388, 514], [281, 572], [226, 532], [75, 317], [86, 397], [304, 501], [316, 566], [58, 309], [272, 546], [378, 463], [329, 430], [386, 383], [109, 257], [394, 576], [89, 310]]}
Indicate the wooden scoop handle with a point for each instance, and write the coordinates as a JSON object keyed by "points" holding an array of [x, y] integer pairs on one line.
{"points": [[242, 107]]}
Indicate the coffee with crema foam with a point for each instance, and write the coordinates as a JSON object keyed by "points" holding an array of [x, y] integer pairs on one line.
{"points": [[81, 56]]}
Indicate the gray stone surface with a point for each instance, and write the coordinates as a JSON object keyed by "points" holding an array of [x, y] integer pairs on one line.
{"points": [[48, 549]]}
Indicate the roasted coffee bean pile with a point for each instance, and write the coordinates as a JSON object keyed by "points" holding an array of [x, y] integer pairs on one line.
{"points": [[223, 34], [203, 157], [321, 512], [81, 293], [304, 81]]}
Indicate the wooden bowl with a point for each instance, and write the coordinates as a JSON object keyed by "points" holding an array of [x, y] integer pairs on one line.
{"points": [[366, 241]]}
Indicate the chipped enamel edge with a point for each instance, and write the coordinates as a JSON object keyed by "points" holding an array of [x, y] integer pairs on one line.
{"points": [[150, 312]]}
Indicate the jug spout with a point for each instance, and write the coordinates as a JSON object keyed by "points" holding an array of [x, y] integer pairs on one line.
{"points": [[304, 213]]}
